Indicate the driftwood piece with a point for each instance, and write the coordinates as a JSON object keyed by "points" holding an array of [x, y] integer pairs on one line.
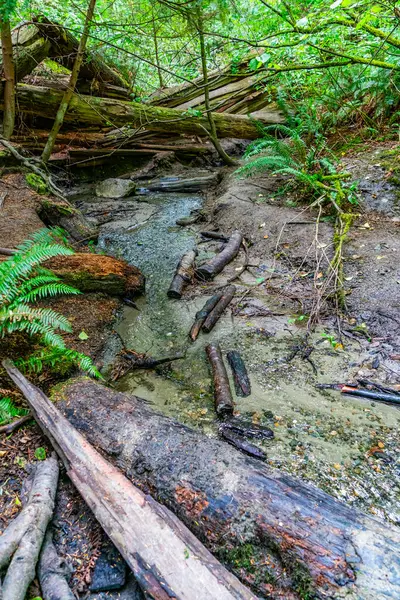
{"points": [[239, 441], [214, 266], [248, 429], [22, 568], [130, 360], [214, 235], [202, 315], [222, 390], [53, 572], [315, 545], [369, 395], [192, 185], [240, 375], [216, 313], [166, 559], [183, 274], [44, 102]]}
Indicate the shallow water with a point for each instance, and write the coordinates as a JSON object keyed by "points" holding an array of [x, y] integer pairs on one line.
{"points": [[320, 436]]}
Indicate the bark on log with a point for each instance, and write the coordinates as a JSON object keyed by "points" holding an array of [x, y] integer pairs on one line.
{"points": [[202, 315], [166, 559], [29, 49], [183, 274], [240, 375], [99, 273], [216, 313], [214, 266], [222, 390], [53, 572], [311, 541], [64, 47], [22, 568], [44, 102]]}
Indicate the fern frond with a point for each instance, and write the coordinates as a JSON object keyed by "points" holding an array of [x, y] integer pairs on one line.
{"points": [[8, 410], [61, 359], [47, 290]]}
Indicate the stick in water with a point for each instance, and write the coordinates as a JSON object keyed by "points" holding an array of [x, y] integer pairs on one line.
{"points": [[202, 315], [222, 391], [183, 275], [218, 310], [214, 266], [240, 375]]}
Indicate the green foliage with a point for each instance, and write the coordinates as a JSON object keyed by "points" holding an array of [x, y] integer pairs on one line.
{"points": [[23, 280], [40, 453], [8, 410]]}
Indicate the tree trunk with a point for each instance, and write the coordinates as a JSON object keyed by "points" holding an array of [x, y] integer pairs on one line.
{"points": [[9, 77], [91, 110], [72, 84], [165, 557], [299, 540]]}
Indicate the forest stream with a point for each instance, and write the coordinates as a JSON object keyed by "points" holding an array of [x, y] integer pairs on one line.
{"points": [[319, 435]]}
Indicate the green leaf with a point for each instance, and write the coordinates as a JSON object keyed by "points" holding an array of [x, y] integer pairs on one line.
{"points": [[83, 335], [40, 453]]}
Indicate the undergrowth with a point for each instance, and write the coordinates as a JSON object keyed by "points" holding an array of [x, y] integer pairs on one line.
{"points": [[24, 282]]}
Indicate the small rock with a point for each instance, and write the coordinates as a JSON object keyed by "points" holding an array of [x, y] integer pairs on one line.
{"points": [[115, 188], [110, 570]]}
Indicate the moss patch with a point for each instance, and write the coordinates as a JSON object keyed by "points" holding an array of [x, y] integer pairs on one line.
{"points": [[36, 183]]}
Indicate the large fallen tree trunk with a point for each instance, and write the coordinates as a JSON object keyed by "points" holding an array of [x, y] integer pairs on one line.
{"points": [[308, 543], [165, 557], [91, 110]]}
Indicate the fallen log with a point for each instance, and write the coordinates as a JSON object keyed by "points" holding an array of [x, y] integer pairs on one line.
{"points": [[314, 544], [42, 101], [53, 572], [23, 539], [183, 275], [214, 266], [222, 390], [165, 557], [29, 49], [218, 310], [239, 441], [194, 184], [202, 315], [240, 375], [59, 213]]}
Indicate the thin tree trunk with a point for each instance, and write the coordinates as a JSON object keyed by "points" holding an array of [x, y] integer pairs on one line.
{"points": [[9, 77], [156, 49], [213, 130], [72, 84]]}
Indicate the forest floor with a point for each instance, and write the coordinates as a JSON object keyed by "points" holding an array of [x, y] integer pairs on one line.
{"points": [[348, 447]]}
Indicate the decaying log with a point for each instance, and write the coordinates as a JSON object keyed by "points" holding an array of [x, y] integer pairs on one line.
{"points": [[183, 274], [202, 315], [60, 213], [218, 310], [240, 375], [310, 543], [222, 390], [25, 553], [192, 185], [214, 266], [53, 572], [42, 101], [165, 557]]}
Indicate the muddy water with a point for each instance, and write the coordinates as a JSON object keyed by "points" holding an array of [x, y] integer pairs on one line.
{"points": [[348, 447]]}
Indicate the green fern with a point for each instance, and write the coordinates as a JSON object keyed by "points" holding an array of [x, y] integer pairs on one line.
{"points": [[8, 410], [63, 359], [305, 161], [23, 280]]}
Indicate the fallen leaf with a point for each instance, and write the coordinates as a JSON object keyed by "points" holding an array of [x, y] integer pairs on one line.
{"points": [[337, 466], [380, 257], [83, 335], [381, 444]]}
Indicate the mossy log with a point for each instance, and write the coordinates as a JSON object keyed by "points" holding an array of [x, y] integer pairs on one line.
{"points": [[296, 541], [56, 212], [99, 273], [42, 101]]}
